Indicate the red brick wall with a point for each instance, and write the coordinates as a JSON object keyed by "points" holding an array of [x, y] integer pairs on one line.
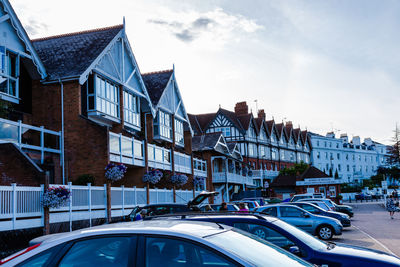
{"points": [[15, 168]]}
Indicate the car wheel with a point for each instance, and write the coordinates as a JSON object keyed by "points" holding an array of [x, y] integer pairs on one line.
{"points": [[260, 232], [325, 232]]}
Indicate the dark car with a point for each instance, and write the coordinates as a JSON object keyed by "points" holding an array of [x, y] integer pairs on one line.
{"points": [[167, 208], [314, 209], [344, 209], [301, 243]]}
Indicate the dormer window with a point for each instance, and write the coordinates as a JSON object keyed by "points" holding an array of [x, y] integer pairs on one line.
{"points": [[103, 98], [179, 132], [163, 126], [131, 110], [9, 72]]}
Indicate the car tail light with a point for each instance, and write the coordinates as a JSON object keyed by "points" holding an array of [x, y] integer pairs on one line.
{"points": [[3, 261]]}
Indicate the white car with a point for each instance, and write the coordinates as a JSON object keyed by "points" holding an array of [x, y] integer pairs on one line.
{"points": [[153, 243]]}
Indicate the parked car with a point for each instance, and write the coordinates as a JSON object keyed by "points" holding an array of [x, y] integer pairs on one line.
{"points": [[260, 200], [167, 208], [307, 195], [251, 204], [273, 200], [154, 243], [217, 207], [301, 243], [343, 208], [363, 196], [327, 201], [323, 227], [320, 204], [314, 209]]}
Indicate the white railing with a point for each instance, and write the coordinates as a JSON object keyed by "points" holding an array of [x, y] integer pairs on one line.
{"points": [[182, 163], [223, 177], [200, 167], [26, 136], [265, 174], [126, 150], [20, 206], [159, 157]]}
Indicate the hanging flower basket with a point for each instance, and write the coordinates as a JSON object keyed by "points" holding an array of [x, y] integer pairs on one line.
{"points": [[115, 172], [179, 179], [152, 176], [55, 197], [198, 180]]}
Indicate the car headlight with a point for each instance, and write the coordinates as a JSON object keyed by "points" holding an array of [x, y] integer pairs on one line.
{"points": [[345, 216]]}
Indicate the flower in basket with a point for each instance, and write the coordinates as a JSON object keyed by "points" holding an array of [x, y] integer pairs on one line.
{"points": [[179, 179], [198, 180], [153, 176], [115, 172], [55, 197]]}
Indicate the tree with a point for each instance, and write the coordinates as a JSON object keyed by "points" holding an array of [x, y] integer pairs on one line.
{"points": [[393, 157], [297, 169]]}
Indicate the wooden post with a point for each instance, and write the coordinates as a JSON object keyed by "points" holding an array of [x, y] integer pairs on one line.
{"points": [[108, 201], [148, 193], [174, 193], [46, 229]]}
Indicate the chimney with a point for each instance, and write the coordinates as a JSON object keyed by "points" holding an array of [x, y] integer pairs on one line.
{"points": [[261, 114], [241, 108]]}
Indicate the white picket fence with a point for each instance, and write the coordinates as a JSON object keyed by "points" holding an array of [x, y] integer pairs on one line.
{"points": [[20, 206]]}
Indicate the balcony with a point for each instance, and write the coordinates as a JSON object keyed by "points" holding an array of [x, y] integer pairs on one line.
{"points": [[28, 137], [265, 174], [159, 157], [126, 150], [200, 167], [182, 163], [227, 177]]}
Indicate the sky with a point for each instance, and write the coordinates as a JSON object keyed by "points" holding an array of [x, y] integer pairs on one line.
{"points": [[324, 65]]}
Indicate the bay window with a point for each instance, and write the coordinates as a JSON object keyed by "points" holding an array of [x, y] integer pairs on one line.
{"points": [[163, 126], [103, 97], [131, 109], [9, 72], [179, 132]]}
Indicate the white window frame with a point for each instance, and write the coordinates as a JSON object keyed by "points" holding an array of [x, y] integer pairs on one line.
{"points": [[105, 97], [8, 79], [164, 130], [179, 137], [131, 109]]}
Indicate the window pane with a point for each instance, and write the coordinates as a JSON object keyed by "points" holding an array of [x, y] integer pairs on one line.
{"points": [[126, 147], [3, 85], [114, 143], [172, 252], [138, 150], [40, 259], [108, 251], [290, 212]]}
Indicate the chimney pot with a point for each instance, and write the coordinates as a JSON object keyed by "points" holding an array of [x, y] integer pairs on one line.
{"points": [[241, 108], [261, 114]]}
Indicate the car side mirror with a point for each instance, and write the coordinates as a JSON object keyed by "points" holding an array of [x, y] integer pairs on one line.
{"points": [[295, 250]]}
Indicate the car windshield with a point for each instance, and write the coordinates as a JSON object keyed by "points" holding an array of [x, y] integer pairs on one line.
{"points": [[304, 237], [254, 249]]}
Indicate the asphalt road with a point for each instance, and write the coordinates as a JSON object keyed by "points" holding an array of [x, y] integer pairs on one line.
{"points": [[372, 228]]}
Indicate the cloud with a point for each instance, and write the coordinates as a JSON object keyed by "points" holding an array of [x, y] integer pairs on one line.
{"points": [[34, 26], [215, 25]]}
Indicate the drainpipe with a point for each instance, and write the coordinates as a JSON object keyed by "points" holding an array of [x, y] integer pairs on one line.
{"points": [[62, 131], [146, 156]]}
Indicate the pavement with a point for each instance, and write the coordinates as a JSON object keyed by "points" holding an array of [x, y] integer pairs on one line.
{"points": [[372, 228]]}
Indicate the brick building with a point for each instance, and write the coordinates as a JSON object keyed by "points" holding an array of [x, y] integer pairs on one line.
{"points": [[266, 146], [96, 107]]}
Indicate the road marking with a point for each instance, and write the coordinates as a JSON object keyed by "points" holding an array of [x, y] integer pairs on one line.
{"points": [[377, 241]]}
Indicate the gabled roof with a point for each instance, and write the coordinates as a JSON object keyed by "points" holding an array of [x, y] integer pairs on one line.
{"points": [[312, 172], [16, 23], [281, 131], [290, 180], [233, 118], [245, 120], [205, 142], [260, 122], [270, 125], [296, 134], [70, 55], [304, 135], [156, 83], [202, 120]]}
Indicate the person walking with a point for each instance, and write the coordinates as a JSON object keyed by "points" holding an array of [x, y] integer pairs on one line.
{"points": [[390, 206]]}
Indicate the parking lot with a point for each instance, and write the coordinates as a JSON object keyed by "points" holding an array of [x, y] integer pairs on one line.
{"points": [[372, 228]]}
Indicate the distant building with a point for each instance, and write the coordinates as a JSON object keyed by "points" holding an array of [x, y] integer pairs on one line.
{"points": [[352, 160]]}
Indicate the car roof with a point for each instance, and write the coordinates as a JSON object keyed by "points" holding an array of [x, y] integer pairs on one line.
{"points": [[161, 227], [165, 205], [234, 216]]}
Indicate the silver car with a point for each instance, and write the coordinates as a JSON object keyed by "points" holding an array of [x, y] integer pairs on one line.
{"points": [[321, 226], [153, 243]]}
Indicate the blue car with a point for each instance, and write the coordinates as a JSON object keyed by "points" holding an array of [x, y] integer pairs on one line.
{"points": [[301, 243]]}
